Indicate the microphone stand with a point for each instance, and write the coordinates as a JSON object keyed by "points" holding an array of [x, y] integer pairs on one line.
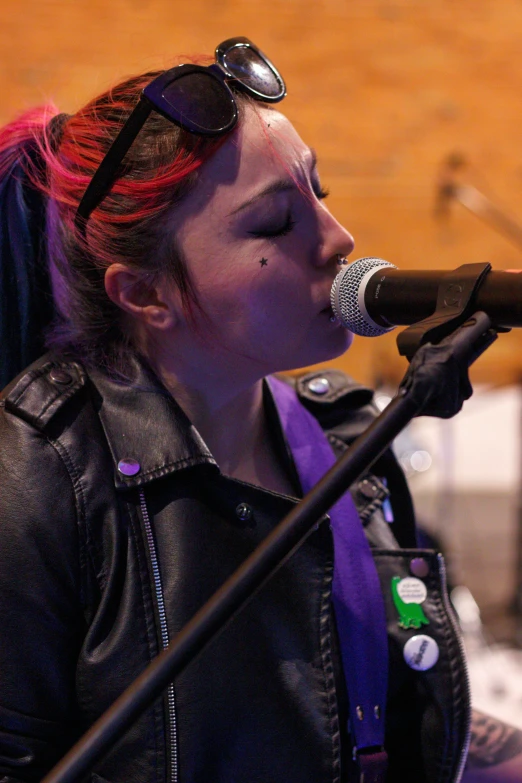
{"points": [[419, 391]]}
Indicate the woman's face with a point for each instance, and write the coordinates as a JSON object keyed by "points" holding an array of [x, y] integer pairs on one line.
{"points": [[261, 249]]}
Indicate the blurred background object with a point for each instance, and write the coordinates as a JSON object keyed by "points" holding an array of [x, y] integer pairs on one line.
{"points": [[414, 108]]}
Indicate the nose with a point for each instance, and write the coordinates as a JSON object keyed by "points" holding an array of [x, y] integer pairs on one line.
{"points": [[335, 239]]}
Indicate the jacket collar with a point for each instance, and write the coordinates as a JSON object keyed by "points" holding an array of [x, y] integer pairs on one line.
{"points": [[148, 434]]}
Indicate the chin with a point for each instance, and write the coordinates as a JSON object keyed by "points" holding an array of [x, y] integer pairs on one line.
{"points": [[316, 354], [338, 344], [334, 354]]}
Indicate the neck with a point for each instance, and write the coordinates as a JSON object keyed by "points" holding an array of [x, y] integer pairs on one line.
{"points": [[233, 424], [229, 419], [224, 401]]}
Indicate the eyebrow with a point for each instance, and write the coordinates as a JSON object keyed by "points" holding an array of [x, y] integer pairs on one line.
{"points": [[279, 186]]}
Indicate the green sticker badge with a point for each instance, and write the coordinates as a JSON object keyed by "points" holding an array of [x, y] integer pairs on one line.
{"points": [[408, 595]]}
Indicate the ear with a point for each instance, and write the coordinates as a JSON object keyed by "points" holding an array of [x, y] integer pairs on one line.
{"points": [[154, 304]]}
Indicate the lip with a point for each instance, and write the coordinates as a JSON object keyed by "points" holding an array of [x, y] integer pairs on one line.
{"points": [[327, 301], [327, 309], [328, 313]]}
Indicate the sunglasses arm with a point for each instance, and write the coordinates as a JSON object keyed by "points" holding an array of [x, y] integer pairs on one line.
{"points": [[108, 170]]}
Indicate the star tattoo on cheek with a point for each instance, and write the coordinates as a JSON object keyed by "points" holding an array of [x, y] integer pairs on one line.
{"points": [[264, 261]]}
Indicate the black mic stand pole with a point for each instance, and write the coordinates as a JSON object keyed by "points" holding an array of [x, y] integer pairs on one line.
{"points": [[417, 391]]}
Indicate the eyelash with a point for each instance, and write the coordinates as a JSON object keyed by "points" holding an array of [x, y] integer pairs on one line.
{"points": [[278, 232], [320, 193]]}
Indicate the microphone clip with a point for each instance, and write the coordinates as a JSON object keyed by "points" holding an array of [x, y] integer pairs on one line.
{"points": [[455, 304]]}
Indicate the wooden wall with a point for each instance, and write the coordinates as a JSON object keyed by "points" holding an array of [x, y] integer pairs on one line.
{"points": [[385, 90]]}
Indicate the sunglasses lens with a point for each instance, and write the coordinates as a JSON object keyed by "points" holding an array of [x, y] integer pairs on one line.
{"points": [[201, 102], [248, 66]]}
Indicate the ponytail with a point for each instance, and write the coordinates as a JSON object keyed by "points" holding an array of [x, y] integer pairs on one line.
{"points": [[26, 305]]}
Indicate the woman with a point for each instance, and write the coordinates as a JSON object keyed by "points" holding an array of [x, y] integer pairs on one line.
{"points": [[145, 457]]}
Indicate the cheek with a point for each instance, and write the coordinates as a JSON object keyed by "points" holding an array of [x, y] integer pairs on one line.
{"points": [[242, 289], [215, 278], [256, 282], [277, 288]]}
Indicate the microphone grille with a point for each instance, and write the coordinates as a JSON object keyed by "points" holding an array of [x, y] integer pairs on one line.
{"points": [[347, 296]]}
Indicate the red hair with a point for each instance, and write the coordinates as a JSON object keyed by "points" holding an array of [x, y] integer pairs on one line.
{"points": [[130, 225]]}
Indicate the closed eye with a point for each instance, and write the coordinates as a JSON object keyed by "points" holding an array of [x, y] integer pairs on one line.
{"points": [[321, 193], [276, 231]]}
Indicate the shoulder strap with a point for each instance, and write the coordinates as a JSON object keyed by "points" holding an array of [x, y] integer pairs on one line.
{"points": [[356, 593], [344, 409]]}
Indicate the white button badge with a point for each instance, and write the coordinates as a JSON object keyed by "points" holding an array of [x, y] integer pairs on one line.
{"points": [[421, 652]]}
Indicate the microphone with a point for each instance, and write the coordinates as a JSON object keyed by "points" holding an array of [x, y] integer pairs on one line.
{"points": [[371, 296]]}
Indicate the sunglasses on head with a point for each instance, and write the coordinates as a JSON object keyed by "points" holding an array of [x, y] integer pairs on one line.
{"points": [[197, 98]]}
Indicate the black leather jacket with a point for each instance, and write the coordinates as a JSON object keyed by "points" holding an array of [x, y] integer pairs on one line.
{"points": [[99, 570]]}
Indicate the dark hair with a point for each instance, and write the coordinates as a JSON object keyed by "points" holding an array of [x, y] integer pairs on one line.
{"points": [[42, 179]]}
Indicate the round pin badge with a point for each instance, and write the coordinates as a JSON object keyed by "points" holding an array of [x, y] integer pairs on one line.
{"points": [[412, 590], [128, 467], [421, 652]]}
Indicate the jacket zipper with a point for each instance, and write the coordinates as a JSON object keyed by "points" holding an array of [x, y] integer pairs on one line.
{"points": [[451, 615], [171, 697]]}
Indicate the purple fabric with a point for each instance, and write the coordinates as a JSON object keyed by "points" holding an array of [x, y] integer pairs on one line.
{"points": [[356, 592], [372, 767]]}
